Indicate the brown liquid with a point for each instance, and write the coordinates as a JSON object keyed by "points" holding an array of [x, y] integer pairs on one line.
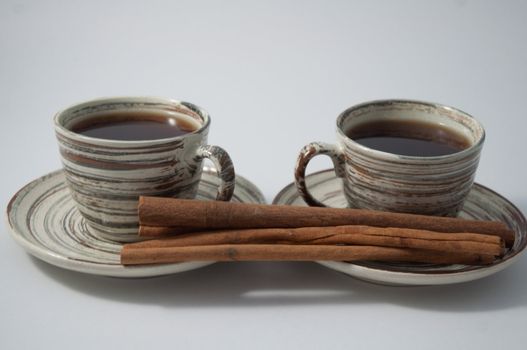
{"points": [[409, 138], [136, 126]]}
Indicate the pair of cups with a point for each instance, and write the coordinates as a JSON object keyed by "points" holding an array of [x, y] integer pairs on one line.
{"points": [[107, 176]]}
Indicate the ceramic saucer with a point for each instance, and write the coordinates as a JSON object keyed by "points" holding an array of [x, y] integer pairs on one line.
{"points": [[481, 204], [44, 221]]}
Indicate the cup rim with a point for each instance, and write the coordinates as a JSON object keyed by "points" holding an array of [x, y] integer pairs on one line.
{"points": [[59, 127], [395, 156]]}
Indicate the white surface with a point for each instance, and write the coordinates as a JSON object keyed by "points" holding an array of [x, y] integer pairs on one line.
{"points": [[274, 76]]}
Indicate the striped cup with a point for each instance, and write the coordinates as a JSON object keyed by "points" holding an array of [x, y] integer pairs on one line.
{"points": [[106, 177], [374, 179]]}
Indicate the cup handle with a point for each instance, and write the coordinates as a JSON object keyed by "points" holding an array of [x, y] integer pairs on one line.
{"points": [[224, 167], [306, 154]]}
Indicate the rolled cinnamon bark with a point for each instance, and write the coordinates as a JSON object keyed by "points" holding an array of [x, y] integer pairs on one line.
{"points": [[209, 215], [159, 231], [274, 252], [338, 235]]}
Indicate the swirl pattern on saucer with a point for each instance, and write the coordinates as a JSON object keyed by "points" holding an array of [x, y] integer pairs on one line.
{"points": [[481, 204], [43, 219]]}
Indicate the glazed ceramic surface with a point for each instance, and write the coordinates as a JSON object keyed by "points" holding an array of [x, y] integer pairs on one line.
{"points": [[106, 177], [385, 181], [481, 204], [44, 220]]}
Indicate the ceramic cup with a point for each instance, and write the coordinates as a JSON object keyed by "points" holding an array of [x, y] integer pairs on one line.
{"points": [[373, 179], [106, 177]]}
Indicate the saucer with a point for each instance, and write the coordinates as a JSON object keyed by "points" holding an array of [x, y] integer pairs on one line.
{"points": [[481, 204], [43, 219]]}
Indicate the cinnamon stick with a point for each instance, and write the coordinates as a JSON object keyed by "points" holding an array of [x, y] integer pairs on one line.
{"points": [[207, 215], [274, 252], [159, 231], [338, 235]]}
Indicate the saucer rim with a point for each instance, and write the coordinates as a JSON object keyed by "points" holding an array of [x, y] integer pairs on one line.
{"points": [[403, 278], [108, 269]]}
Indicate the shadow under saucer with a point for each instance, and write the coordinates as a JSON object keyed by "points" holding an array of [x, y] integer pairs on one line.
{"points": [[249, 284]]}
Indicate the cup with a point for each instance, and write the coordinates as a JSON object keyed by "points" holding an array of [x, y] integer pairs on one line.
{"points": [[380, 180], [106, 176]]}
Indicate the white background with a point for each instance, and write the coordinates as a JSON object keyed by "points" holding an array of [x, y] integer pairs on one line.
{"points": [[274, 75]]}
